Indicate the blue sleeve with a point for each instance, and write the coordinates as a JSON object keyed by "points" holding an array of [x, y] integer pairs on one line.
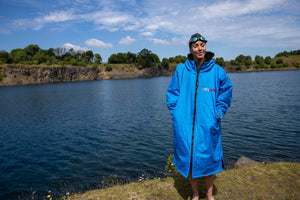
{"points": [[173, 92], [224, 95]]}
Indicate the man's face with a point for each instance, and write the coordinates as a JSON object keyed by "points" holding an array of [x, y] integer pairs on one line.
{"points": [[198, 50]]}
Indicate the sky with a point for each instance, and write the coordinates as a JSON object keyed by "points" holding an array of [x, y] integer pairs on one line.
{"points": [[232, 27]]}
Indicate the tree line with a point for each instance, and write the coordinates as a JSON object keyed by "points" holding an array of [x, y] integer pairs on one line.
{"points": [[243, 62], [34, 55]]}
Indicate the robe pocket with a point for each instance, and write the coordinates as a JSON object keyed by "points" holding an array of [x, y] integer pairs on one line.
{"points": [[216, 126]]}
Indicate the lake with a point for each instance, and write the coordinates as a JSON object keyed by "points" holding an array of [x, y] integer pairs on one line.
{"points": [[64, 137]]}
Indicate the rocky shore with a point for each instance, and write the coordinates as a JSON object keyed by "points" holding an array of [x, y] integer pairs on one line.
{"points": [[23, 75]]}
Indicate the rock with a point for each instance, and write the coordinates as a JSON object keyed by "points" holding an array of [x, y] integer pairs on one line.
{"points": [[11, 74], [245, 162]]}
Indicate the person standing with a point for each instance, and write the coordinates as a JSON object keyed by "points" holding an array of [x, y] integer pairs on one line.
{"points": [[198, 96]]}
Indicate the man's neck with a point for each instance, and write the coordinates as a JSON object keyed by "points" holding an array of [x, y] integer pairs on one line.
{"points": [[200, 63]]}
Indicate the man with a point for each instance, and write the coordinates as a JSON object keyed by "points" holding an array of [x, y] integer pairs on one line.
{"points": [[198, 96]]}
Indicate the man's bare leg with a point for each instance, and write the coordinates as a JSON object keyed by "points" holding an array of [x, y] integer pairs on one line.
{"points": [[194, 184], [209, 180]]}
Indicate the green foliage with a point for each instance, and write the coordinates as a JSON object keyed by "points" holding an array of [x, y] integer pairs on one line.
{"points": [[95, 65], [31, 49], [98, 58], [268, 60], [33, 54], [108, 68], [220, 61], [259, 60], [170, 167], [18, 56], [235, 63], [286, 54], [274, 65], [285, 65], [147, 59], [177, 59], [165, 63], [5, 57], [110, 181], [140, 67], [121, 58], [279, 61]]}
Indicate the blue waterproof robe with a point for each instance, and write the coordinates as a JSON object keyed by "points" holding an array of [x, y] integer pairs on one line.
{"points": [[194, 104]]}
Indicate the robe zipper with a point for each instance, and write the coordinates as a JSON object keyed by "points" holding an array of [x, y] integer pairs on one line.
{"points": [[194, 118]]}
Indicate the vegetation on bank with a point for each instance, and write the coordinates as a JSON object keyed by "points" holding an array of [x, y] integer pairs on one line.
{"points": [[34, 55], [269, 181]]}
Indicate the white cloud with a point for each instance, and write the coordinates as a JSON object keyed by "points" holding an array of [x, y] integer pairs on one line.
{"points": [[148, 34], [74, 47], [176, 40], [127, 40], [218, 20], [97, 43], [57, 16], [110, 20], [159, 41], [234, 8]]}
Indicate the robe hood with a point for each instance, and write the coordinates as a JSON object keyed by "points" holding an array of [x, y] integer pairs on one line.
{"points": [[191, 64]]}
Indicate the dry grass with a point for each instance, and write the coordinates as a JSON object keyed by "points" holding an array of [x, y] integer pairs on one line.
{"points": [[272, 181]]}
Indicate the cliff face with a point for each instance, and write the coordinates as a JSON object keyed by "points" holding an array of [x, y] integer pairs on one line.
{"points": [[23, 75]]}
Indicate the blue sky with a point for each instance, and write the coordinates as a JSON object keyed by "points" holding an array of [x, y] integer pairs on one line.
{"points": [[232, 27]]}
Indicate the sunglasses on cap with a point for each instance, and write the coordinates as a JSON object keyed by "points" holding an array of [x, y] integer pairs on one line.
{"points": [[195, 39]]}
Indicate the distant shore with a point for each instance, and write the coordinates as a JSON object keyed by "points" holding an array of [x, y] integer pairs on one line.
{"points": [[11, 75]]}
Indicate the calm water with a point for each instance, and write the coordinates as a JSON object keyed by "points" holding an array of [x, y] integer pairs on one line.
{"points": [[68, 136]]}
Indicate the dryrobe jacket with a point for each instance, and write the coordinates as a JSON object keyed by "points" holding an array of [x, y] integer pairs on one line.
{"points": [[194, 98]]}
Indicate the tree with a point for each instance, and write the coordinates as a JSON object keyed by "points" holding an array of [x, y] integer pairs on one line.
{"points": [[177, 59], [97, 58], [112, 59], [40, 57], [131, 57], [146, 58], [268, 60], [220, 61], [248, 61], [165, 63], [259, 60], [240, 59], [18, 56], [31, 49], [5, 57], [89, 55]]}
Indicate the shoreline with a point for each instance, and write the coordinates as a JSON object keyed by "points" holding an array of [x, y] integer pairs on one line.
{"points": [[250, 182], [16, 75]]}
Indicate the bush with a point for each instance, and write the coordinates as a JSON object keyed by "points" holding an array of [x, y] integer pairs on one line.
{"points": [[108, 68], [274, 65], [298, 64], [94, 65], [170, 167], [279, 61], [140, 67], [268, 60], [285, 65]]}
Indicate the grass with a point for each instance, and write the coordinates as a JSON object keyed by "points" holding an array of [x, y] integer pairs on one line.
{"points": [[271, 181]]}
